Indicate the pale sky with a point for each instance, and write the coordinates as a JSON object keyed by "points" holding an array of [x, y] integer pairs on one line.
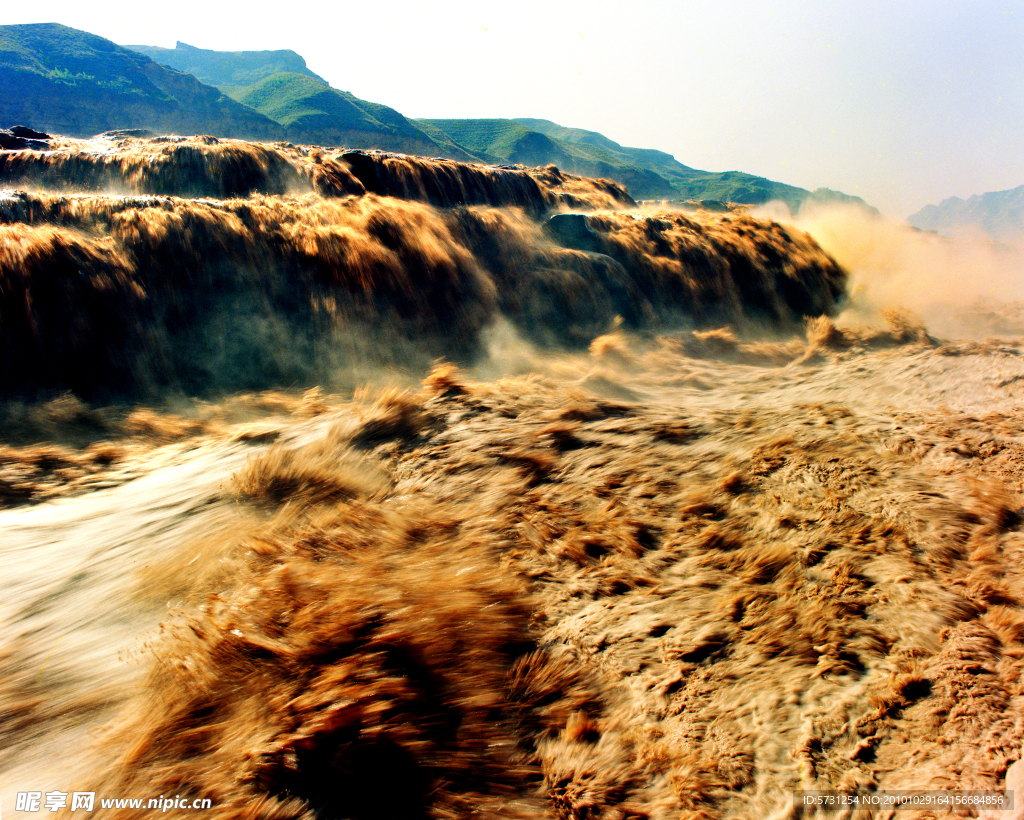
{"points": [[900, 102]]}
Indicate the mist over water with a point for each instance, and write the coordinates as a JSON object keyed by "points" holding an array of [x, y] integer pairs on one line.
{"points": [[701, 518], [969, 286]]}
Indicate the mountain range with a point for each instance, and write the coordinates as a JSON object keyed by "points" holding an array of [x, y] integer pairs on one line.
{"points": [[70, 82], [997, 214], [67, 81]]}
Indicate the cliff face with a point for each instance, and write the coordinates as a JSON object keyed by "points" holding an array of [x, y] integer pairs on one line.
{"points": [[62, 80], [227, 68]]}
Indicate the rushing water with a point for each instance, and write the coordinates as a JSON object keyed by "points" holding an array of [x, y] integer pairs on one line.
{"points": [[89, 578], [625, 564]]}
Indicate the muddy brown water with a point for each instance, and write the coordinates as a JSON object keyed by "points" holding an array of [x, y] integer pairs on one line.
{"points": [[629, 584], [674, 576]]}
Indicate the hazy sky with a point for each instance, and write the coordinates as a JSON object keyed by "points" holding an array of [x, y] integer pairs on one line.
{"points": [[901, 102]]}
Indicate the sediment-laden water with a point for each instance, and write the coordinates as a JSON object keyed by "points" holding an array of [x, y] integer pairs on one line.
{"points": [[622, 561]]}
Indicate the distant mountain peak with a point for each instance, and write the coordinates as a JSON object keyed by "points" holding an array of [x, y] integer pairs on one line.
{"points": [[998, 214]]}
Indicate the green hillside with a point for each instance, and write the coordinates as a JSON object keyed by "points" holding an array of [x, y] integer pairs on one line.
{"points": [[278, 85], [59, 79], [493, 138], [56, 78], [230, 71], [292, 99], [72, 61], [312, 111], [689, 183], [650, 158], [513, 141], [449, 148], [647, 173]]}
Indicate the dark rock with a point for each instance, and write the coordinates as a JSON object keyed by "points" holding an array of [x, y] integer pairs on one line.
{"points": [[12, 142], [124, 133], [363, 168], [573, 231], [28, 133], [174, 139], [715, 206]]}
